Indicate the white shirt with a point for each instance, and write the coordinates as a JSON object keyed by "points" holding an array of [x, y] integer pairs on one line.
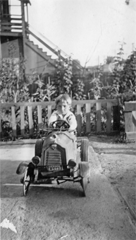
{"points": [[68, 117]]}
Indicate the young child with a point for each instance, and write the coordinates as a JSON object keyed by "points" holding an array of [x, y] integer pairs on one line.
{"points": [[63, 104]]}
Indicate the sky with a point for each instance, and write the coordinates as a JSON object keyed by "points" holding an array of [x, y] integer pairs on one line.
{"points": [[88, 30]]}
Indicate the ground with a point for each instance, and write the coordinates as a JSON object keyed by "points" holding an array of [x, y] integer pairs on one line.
{"points": [[59, 212], [118, 163]]}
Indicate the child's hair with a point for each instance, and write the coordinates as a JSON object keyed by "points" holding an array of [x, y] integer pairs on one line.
{"points": [[64, 97]]}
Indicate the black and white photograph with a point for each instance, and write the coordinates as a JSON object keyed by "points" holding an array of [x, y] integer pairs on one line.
{"points": [[67, 119]]}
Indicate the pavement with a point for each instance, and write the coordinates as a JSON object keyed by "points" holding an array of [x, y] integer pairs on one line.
{"points": [[99, 216]]}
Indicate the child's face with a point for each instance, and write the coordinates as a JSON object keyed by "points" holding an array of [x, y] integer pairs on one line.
{"points": [[63, 107]]}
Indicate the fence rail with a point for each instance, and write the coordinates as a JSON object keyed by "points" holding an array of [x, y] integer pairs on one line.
{"points": [[92, 115]]}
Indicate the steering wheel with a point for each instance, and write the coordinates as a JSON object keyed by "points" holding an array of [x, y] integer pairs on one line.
{"points": [[60, 124]]}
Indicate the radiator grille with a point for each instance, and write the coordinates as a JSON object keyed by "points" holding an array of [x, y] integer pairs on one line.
{"points": [[53, 159]]}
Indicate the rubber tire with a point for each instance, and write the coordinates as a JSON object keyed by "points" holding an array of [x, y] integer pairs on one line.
{"points": [[25, 185], [84, 183], [25, 189], [84, 150], [38, 147], [84, 158]]}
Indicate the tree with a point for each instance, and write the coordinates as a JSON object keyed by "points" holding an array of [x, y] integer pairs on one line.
{"points": [[44, 91], [78, 89], [78, 86], [62, 80], [13, 83], [128, 78], [67, 78], [96, 84], [113, 89], [124, 77]]}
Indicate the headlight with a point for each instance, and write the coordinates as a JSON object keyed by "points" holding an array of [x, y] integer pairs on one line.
{"points": [[36, 160]]}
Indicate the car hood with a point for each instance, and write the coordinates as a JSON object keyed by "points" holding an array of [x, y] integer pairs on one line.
{"points": [[64, 139]]}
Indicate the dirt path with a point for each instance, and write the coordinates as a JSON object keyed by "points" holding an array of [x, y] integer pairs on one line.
{"points": [[59, 212]]}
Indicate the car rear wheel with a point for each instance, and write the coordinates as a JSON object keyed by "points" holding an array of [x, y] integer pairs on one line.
{"points": [[84, 158], [38, 147], [84, 183], [85, 150]]}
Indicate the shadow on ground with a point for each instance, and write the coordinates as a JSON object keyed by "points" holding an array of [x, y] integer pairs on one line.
{"points": [[11, 187]]}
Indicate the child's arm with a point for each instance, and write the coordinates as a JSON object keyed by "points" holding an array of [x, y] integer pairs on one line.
{"points": [[72, 122]]}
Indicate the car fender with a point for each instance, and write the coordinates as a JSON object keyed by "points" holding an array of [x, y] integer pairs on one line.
{"points": [[22, 167], [84, 169]]}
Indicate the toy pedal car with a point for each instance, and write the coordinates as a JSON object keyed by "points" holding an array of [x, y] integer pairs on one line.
{"points": [[57, 157]]}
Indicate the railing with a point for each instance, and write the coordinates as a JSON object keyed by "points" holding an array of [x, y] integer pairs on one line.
{"points": [[45, 43], [92, 115], [13, 24]]}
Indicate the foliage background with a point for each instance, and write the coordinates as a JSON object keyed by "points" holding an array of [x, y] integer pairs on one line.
{"points": [[70, 77]]}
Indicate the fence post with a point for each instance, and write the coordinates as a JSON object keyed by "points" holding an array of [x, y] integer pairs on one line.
{"points": [[108, 124], [79, 120], [13, 121], [22, 109], [116, 118], [30, 120], [0, 128], [49, 110], [88, 126], [98, 117], [39, 111], [0, 123]]}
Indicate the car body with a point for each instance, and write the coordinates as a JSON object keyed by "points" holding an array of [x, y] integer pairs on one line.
{"points": [[58, 156]]}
